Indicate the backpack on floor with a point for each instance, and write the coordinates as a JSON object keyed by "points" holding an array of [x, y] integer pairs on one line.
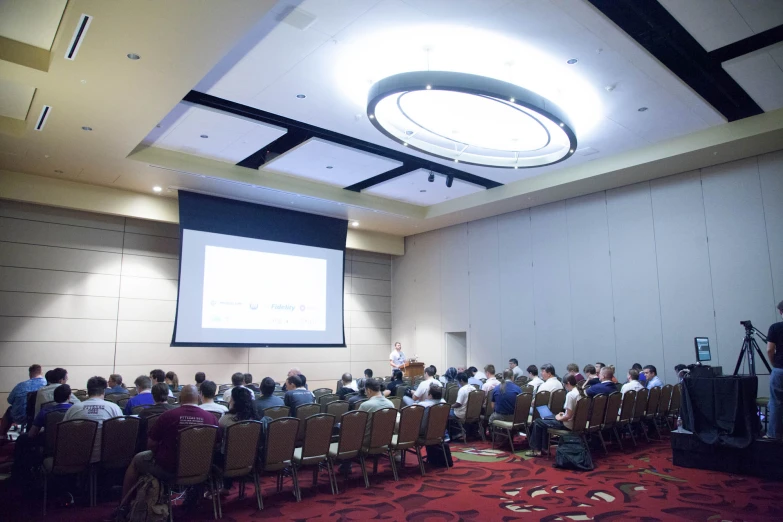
{"points": [[572, 454], [435, 456], [146, 506]]}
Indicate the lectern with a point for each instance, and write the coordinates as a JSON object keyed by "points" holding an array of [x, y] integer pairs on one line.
{"points": [[413, 369]]}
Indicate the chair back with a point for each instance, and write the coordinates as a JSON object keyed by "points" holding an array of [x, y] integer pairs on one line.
{"points": [[280, 443], [451, 394], [640, 405], [542, 397], [397, 401], [115, 397], [382, 428], [322, 391], [132, 391], [474, 404], [51, 420], [123, 402], [410, 426], [118, 441], [138, 409], [355, 405], [351, 437], [674, 405], [218, 415], [653, 401], [522, 407], [276, 412], [407, 380], [626, 411], [612, 409], [173, 400], [437, 419], [241, 448], [317, 436], [337, 408], [278, 393], [80, 394], [195, 445], [325, 399], [151, 421], [581, 384], [304, 411], [401, 390], [666, 399], [599, 411], [527, 389], [521, 381], [557, 401], [73, 445], [30, 406], [581, 414]]}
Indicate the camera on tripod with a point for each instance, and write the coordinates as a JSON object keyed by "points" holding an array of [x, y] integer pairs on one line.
{"points": [[750, 348], [747, 324]]}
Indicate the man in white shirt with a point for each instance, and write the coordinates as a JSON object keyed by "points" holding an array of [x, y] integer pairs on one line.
{"points": [[513, 364], [535, 381], [54, 378], [238, 380], [550, 383], [397, 357], [633, 382], [207, 392], [477, 374], [461, 406], [492, 381], [538, 432], [96, 409], [423, 389]]}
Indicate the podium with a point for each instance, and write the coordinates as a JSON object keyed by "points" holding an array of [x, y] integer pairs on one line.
{"points": [[414, 369]]}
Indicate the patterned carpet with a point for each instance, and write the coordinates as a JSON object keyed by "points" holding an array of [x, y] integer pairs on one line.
{"points": [[488, 485]]}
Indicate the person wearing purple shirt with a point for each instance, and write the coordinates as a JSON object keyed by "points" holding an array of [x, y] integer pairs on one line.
{"points": [[144, 397]]}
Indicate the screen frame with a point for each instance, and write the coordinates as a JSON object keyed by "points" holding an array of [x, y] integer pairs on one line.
{"points": [[696, 348]]}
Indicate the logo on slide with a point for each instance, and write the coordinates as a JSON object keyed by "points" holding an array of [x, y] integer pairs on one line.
{"points": [[254, 306], [302, 308]]}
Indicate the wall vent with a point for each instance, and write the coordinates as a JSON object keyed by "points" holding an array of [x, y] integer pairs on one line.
{"points": [[78, 36]]}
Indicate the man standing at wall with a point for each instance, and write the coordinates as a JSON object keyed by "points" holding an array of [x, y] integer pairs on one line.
{"points": [[775, 354], [16, 413], [397, 357]]}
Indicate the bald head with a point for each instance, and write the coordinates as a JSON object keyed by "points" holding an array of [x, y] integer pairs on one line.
{"points": [[188, 395]]}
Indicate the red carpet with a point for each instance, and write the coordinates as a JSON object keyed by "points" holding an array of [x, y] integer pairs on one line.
{"points": [[488, 486]]}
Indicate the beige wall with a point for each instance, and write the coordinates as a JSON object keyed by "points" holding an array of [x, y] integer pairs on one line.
{"points": [[96, 294]]}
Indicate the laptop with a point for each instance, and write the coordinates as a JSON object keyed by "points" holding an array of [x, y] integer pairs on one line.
{"points": [[545, 412]]}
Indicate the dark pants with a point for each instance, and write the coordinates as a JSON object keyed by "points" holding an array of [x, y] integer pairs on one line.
{"points": [[27, 457], [538, 432]]}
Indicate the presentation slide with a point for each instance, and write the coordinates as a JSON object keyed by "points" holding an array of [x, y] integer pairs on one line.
{"points": [[237, 290]]}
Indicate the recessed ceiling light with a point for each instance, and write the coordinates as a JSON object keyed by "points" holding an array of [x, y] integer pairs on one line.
{"points": [[354, 223], [429, 87], [512, 100], [58, 172], [423, 190], [46, 155], [85, 128], [405, 144], [156, 188], [571, 151], [372, 116], [301, 96], [641, 109], [329, 167], [205, 136], [572, 61], [133, 56]]}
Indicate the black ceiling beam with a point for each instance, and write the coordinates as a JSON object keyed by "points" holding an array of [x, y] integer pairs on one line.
{"points": [[380, 178], [284, 143], [413, 162], [650, 24], [748, 45]]}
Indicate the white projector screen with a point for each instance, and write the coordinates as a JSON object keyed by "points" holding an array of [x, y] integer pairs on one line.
{"points": [[241, 291]]}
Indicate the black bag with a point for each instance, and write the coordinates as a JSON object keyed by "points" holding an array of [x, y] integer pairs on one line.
{"points": [[572, 454], [435, 456]]}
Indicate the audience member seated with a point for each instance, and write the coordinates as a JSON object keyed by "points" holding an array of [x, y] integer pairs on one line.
{"points": [[249, 383], [240, 408], [591, 375], [207, 395], [421, 391], [267, 398], [434, 396], [295, 371], [347, 385], [172, 381], [513, 365], [633, 382], [375, 401], [157, 376], [359, 396], [200, 377], [653, 381], [54, 379], [237, 381], [460, 407], [606, 386], [160, 459], [598, 367], [160, 395], [368, 373], [642, 376], [296, 394], [143, 395], [62, 395], [504, 398], [481, 376], [449, 376], [681, 371], [492, 380], [115, 384], [391, 388], [551, 383], [17, 411], [94, 408], [538, 434], [535, 381], [573, 369], [472, 377], [614, 371]]}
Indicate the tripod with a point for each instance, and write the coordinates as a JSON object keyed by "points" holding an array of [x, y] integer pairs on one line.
{"points": [[749, 348]]}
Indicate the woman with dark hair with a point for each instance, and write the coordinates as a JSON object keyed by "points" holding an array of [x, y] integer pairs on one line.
{"points": [[449, 376], [173, 381], [241, 408]]}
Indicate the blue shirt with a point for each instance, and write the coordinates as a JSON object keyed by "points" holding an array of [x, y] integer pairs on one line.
{"points": [[297, 397], [265, 402], [116, 389], [40, 419], [141, 399], [505, 403], [18, 397], [655, 382], [606, 387]]}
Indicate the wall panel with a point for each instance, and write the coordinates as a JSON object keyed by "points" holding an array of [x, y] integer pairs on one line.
{"points": [[454, 278], [55, 258], [57, 282], [485, 333], [429, 341], [771, 174], [21, 304], [51, 234]]}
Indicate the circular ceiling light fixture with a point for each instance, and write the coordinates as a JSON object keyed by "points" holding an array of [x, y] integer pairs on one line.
{"points": [[133, 56], [471, 119]]}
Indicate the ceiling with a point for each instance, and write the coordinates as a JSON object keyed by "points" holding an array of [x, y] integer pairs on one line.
{"points": [[266, 101]]}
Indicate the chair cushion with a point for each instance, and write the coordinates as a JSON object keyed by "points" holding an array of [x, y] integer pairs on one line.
{"points": [[507, 425], [332, 450]]}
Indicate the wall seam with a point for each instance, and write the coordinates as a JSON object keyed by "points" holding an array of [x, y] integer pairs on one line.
{"points": [[709, 265], [119, 293], [766, 232], [611, 274], [657, 274]]}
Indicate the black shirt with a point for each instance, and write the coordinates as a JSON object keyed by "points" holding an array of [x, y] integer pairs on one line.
{"points": [[392, 386], [775, 335]]}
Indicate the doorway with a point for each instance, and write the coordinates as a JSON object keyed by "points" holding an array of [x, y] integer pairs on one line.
{"points": [[456, 350]]}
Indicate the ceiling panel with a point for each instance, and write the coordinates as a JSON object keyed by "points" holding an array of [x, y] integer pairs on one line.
{"points": [[15, 99], [415, 189], [215, 135], [713, 23], [760, 15], [33, 22], [327, 162], [761, 76]]}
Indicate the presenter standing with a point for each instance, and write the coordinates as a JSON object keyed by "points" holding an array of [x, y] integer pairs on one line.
{"points": [[397, 358], [775, 353]]}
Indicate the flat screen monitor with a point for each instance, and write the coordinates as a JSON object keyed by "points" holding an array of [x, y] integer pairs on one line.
{"points": [[702, 345]]}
